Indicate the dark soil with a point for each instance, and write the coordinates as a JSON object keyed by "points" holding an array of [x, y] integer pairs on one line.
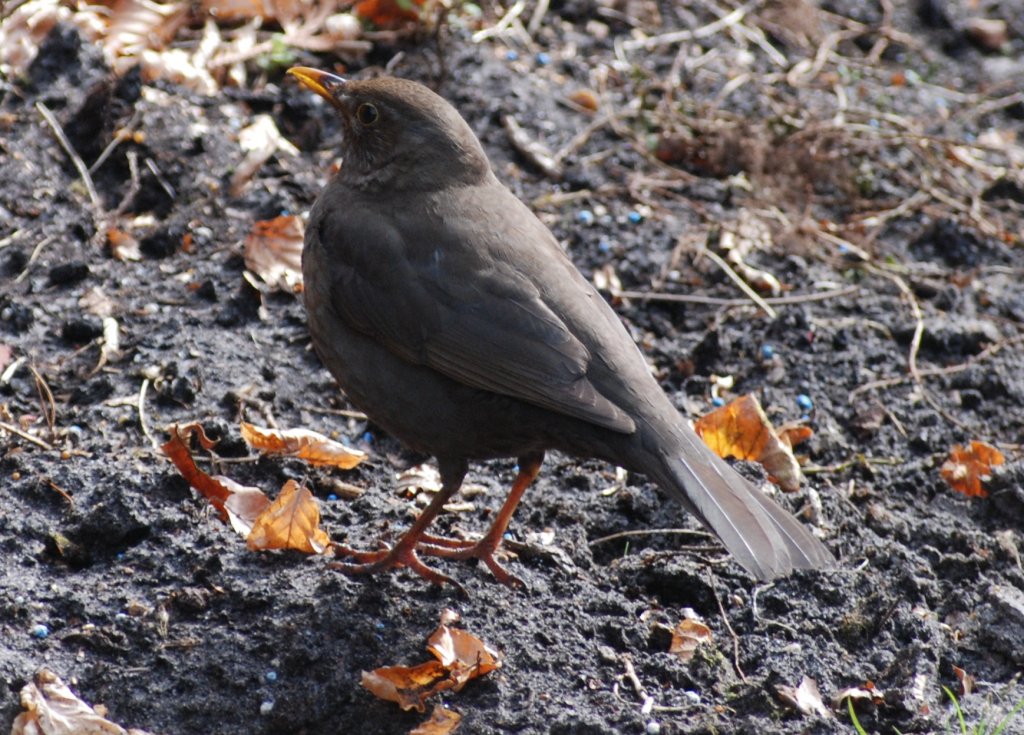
{"points": [[102, 539]]}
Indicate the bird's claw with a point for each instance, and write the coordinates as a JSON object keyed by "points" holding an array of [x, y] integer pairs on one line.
{"points": [[371, 562]]}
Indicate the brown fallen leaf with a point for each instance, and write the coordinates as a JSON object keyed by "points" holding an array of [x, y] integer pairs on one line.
{"points": [[388, 14], [177, 449], [805, 698], [51, 708], [867, 693], [687, 637], [463, 654], [741, 429], [968, 467], [291, 522], [307, 445], [273, 251], [408, 686], [442, 722], [461, 657]]}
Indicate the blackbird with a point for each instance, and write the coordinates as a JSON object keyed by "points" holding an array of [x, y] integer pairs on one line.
{"points": [[448, 313]]}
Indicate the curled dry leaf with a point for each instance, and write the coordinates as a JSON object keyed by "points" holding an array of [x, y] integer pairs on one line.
{"points": [[291, 522], [806, 698], [51, 708], [273, 251], [464, 655], [966, 681], [687, 636], [388, 14], [867, 693], [442, 721], [177, 449], [968, 467], [306, 445], [741, 429], [407, 686], [461, 657]]}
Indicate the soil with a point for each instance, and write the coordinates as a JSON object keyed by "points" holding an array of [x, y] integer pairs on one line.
{"points": [[862, 187]]}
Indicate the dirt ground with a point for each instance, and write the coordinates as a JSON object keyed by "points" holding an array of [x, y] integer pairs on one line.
{"points": [[869, 160]]}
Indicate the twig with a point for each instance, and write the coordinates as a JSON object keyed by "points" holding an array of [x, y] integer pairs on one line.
{"points": [[75, 158], [649, 532], [11, 429], [35, 254], [502, 24], [728, 626], [741, 284], [667, 39], [142, 415], [715, 301], [930, 372], [46, 402]]}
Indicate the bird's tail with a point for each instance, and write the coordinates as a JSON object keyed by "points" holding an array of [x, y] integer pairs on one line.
{"points": [[764, 538]]}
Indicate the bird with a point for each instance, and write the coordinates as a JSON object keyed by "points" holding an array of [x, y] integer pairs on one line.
{"points": [[448, 313]]}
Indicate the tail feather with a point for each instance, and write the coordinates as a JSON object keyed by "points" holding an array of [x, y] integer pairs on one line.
{"points": [[764, 538]]}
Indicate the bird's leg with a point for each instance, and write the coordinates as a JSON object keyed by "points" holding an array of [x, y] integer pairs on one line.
{"points": [[403, 554], [529, 468]]}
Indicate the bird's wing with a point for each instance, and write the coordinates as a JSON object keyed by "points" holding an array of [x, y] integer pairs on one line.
{"points": [[478, 320]]}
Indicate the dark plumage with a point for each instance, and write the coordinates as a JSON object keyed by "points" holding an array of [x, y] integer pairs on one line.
{"points": [[448, 313]]}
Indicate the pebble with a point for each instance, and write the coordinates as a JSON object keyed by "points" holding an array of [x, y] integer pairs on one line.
{"points": [[543, 58], [804, 402], [653, 728], [39, 631], [270, 676], [511, 55], [585, 217], [717, 402], [634, 217], [332, 497], [266, 707], [767, 352]]}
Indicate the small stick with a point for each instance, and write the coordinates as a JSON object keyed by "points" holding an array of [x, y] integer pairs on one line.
{"points": [[75, 158], [12, 429], [741, 284], [715, 301], [728, 626], [142, 415]]}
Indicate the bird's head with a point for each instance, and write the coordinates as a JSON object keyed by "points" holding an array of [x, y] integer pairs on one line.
{"points": [[397, 134]]}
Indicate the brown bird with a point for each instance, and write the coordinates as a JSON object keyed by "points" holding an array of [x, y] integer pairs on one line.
{"points": [[447, 312]]}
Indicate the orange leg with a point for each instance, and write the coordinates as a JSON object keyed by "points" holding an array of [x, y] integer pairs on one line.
{"points": [[484, 549], [403, 554]]}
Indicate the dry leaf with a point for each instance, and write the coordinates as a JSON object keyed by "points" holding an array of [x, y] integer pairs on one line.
{"points": [[968, 467], [741, 429], [464, 655], [966, 681], [461, 657], [122, 245], [442, 722], [408, 686], [211, 488], [805, 698], [291, 522], [51, 708], [388, 13], [687, 636], [243, 506], [273, 251], [306, 445], [866, 693], [420, 478]]}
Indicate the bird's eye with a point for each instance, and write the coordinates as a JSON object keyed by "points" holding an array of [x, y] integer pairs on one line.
{"points": [[367, 114]]}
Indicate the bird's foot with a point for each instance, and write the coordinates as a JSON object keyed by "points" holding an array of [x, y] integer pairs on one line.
{"points": [[484, 550], [402, 555]]}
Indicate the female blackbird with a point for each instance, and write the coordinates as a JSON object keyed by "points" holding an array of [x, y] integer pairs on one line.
{"points": [[447, 312]]}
